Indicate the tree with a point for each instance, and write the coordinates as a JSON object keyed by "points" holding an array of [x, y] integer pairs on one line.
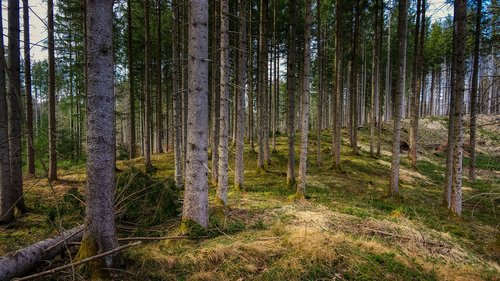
{"points": [[398, 94], [375, 76], [459, 37], [353, 114], [147, 89], [131, 98], [14, 93], [291, 85], [27, 89], [336, 138], [224, 104], [159, 115], [100, 231], [473, 94], [7, 199], [240, 91], [262, 126], [52, 95], [416, 79], [320, 81], [195, 207], [301, 187], [176, 92]]}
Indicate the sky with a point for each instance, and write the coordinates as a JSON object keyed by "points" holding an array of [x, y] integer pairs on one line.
{"points": [[437, 10]]}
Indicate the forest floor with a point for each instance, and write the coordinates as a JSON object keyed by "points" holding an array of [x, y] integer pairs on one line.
{"points": [[346, 230]]}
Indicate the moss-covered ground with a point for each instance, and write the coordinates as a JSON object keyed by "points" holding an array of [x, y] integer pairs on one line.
{"points": [[347, 229]]}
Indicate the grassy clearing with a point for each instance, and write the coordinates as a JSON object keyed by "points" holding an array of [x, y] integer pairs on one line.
{"points": [[348, 229]]}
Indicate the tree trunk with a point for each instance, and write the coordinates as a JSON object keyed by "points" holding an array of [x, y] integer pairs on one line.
{"points": [[337, 137], [291, 89], [195, 207], [224, 104], [52, 95], [416, 80], [131, 99], [473, 95], [100, 231], [147, 90], [250, 80], [263, 130], [320, 83], [159, 115], [177, 93], [20, 262], [7, 193], [27, 87], [242, 68], [301, 187], [460, 9], [375, 78], [215, 94], [353, 85], [399, 92]]}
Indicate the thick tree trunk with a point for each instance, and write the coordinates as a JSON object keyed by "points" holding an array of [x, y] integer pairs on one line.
{"points": [[100, 231], [460, 10], [291, 89], [224, 104], [159, 107], [7, 194], [301, 187], [195, 207], [131, 99], [473, 95], [27, 88], [14, 93], [336, 138], [242, 70], [399, 92], [17, 263], [52, 95]]}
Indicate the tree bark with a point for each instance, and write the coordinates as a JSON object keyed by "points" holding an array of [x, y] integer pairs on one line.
{"points": [[195, 207], [131, 98], [416, 82], [399, 92], [22, 261], [460, 10], [100, 231], [52, 95], [291, 89], [215, 94], [353, 83], [27, 88], [7, 193], [159, 107], [147, 89], [224, 104], [320, 83], [301, 187], [375, 78], [177, 93], [242, 70], [337, 137], [473, 94]]}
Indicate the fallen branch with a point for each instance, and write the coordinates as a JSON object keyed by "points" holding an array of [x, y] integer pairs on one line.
{"points": [[156, 238], [54, 270], [22, 261]]}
